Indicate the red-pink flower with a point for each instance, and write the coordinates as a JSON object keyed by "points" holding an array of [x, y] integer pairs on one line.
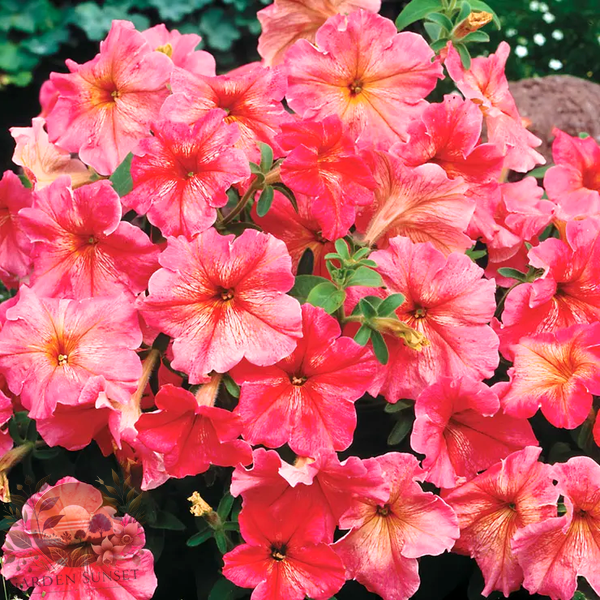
{"points": [[223, 299], [323, 163], [448, 303], [558, 372], [106, 105], [6, 412], [486, 85], [191, 435], [15, 249], [574, 182], [566, 294], [181, 174], [367, 73], [461, 431], [250, 95], [284, 555], [286, 21], [81, 248], [55, 350], [554, 552], [385, 540], [306, 399], [493, 507], [420, 203]]}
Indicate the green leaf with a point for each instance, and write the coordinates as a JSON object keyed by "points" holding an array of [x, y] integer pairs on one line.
{"points": [[225, 506], [465, 11], [439, 44], [363, 335], [265, 201], [303, 286], [166, 520], [478, 5], [255, 169], [476, 37], [380, 347], [328, 296], [583, 135], [221, 539], [361, 253], [417, 10], [218, 29], [475, 255], [464, 54], [367, 309], [285, 190], [441, 20], [231, 386], [176, 10], [512, 273], [46, 453], [434, 31], [266, 157], [199, 538], [226, 590], [121, 179], [390, 304], [400, 430], [398, 406], [539, 172], [230, 526], [341, 247], [365, 277]]}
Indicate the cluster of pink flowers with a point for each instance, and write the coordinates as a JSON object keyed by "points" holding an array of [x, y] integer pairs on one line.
{"points": [[188, 270]]}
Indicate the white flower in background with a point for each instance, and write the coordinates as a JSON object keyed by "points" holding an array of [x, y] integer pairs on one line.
{"points": [[534, 5], [557, 34], [555, 64], [539, 39], [511, 32], [521, 51], [549, 17]]}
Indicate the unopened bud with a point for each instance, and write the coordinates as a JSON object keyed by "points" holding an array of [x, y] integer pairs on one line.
{"points": [[200, 507], [475, 21], [411, 337]]}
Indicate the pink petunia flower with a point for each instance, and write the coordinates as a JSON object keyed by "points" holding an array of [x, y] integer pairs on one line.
{"points": [[306, 399], [383, 544], [493, 507], [191, 435], [323, 163], [486, 85], [364, 71], [55, 350], [181, 174], [286, 21], [250, 95], [574, 182], [554, 552], [420, 203], [284, 555], [223, 299], [558, 372], [6, 412], [461, 431], [81, 248], [106, 105]]}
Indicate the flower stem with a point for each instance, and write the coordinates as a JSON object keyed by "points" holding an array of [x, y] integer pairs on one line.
{"points": [[239, 207]]}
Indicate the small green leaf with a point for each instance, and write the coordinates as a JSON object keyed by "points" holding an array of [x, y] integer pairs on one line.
{"points": [[332, 256], [265, 201], [255, 169], [434, 31], [121, 179], [417, 10], [226, 590], [231, 386], [479, 6], [303, 286], [390, 304], [380, 347], [199, 538], [512, 273], [231, 526], [367, 262], [225, 506], [363, 335], [285, 190], [583, 135], [221, 539], [367, 309], [25, 181], [266, 157], [465, 11], [328, 296], [166, 520], [439, 44], [361, 253], [476, 37], [398, 406], [441, 20], [475, 255], [341, 247], [365, 277], [539, 172], [464, 54], [400, 430], [579, 596]]}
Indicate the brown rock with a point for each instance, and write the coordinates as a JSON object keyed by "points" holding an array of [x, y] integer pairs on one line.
{"points": [[562, 101]]}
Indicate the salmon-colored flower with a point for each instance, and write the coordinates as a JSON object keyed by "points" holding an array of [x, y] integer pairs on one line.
{"points": [[106, 105], [364, 71], [223, 299], [493, 507], [6, 412], [286, 21]]}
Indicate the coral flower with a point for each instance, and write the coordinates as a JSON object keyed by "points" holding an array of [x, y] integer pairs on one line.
{"points": [[554, 552], [514, 493], [6, 412], [385, 540], [558, 371], [55, 350], [367, 73], [223, 299], [307, 399], [250, 95], [461, 432], [486, 85], [286, 21], [42, 161], [81, 247], [284, 555], [181, 174], [323, 163], [106, 105]]}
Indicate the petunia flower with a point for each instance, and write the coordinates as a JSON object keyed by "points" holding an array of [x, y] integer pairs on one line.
{"points": [[558, 372], [105, 106], [306, 399], [361, 69], [286, 21], [461, 431], [554, 552], [385, 539], [55, 350], [181, 174], [81, 248], [493, 507], [223, 299], [6, 412]]}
